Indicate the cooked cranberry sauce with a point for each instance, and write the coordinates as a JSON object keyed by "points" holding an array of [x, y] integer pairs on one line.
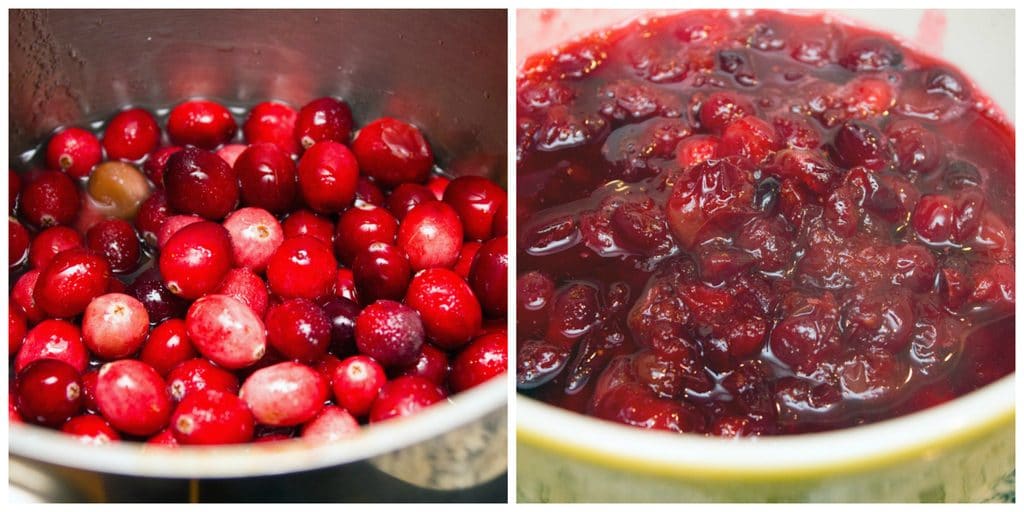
{"points": [[755, 224]]}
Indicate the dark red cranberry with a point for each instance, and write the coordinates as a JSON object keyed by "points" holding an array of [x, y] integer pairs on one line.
{"points": [[153, 212], [721, 109], [196, 259], [467, 255], [167, 346], [74, 150], [916, 148], [857, 144], [305, 222], [393, 152], [156, 163], [133, 397], [89, 379], [202, 123], [390, 332], [328, 174], [431, 235], [212, 417], [200, 183], [345, 285], [500, 225], [302, 267], [323, 119], [483, 359], [49, 392], [356, 382], [432, 365], [476, 200], [404, 396], [117, 241], [697, 149], [381, 271], [534, 294], [267, 178], [71, 280], [195, 375], [933, 218], [130, 135], [809, 332], [18, 241], [450, 312], [406, 196], [342, 315], [298, 329], [272, 122], [50, 199], [159, 302], [361, 226], [712, 195], [489, 276], [750, 137]]}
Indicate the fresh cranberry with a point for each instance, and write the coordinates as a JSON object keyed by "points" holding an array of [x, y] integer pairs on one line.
{"points": [[255, 236], [432, 365], [323, 119], [476, 200], [345, 285], [17, 327], [467, 255], [195, 375], [368, 192], [150, 219], [406, 196], [330, 424], [302, 267], [91, 429], [226, 331], [230, 153], [305, 222], [50, 199], [212, 417], [500, 225], [267, 178], [202, 123], [47, 244], [450, 312], [156, 163], [114, 326], [404, 396], [167, 346], [438, 184], [196, 259], [159, 302], [361, 226], [130, 135], [165, 438], [74, 150], [489, 276], [49, 392], [483, 359], [390, 332], [381, 271], [18, 244], [23, 295], [357, 381], [70, 281], [298, 329], [393, 152], [246, 287], [285, 394], [200, 183], [431, 235], [117, 241], [342, 315], [133, 397], [328, 174]]}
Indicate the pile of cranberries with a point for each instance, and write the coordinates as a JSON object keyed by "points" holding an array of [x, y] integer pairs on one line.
{"points": [[180, 281], [758, 223]]}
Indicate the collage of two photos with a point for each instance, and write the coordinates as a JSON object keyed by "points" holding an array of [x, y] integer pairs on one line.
{"points": [[511, 256]]}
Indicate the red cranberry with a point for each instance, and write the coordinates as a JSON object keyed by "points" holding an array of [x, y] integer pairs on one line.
{"points": [[331, 424], [196, 259], [18, 240], [246, 287], [53, 339], [117, 241], [872, 375], [431, 235], [133, 397], [17, 327], [91, 429], [272, 122], [328, 174], [195, 375], [298, 330], [323, 119], [51, 242], [149, 221], [467, 255], [172, 225], [697, 149], [212, 417], [476, 200], [721, 109], [368, 192], [933, 218], [713, 194], [489, 276], [23, 295], [393, 152], [808, 333], [345, 285], [267, 178], [230, 153], [390, 332], [202, 123], [51, 199], [357, 380], [500, 225], [71, 280], [796, 131], [751, 137], [381, 271], [438, 184], [159, 302], [302, 267], [342, 314], [450, 312], [226, 331], [305, 222], [534, 293], [916, 148], [130, 135], [74, 150], [200, 183], [857, 144], [156, 163], [404, 396], [285, 394], [483, 359], [114, 326], [406, 196], [361, 226], [165, 438], [431, 365], [49, 392], [255, 236], [167, 346]]}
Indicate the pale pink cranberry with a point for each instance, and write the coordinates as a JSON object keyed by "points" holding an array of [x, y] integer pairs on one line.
{"points": [[133, 397], [328, 174], [226, 331], [172, 225], [211, 417], [115, 325], [404, 396], [285, 394], [356, 381], [198, 374], [73, 150], [167, 346], [390, 332], [331, 424], [450, 312], [255, 236], [49, 243], [246, 287], [91, 429], [431, 235], [360, 226]]}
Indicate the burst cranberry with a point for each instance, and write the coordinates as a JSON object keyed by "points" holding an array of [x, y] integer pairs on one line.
{"points": [[721, 109], [117, 241], [389, 332], [302, 267], [255, 236], [226, 331], [133, 397], [404, 396], [130, 135], [808, 333], [202, 123], [285, 394], [272, 122], [489, 277], [381, 271], [432, 365], [431, 235], [212, 417], [167, 346], [933, 218], [74, 150], [483, 359], [328, 174], [450, 312], [200, 183], [298, 329], [18, 244], [195, 375], [534, 294], [476, 200], [323, 119], [114, 325], [330, 424], [246, 287], [50, 199], [393, 152], [305, 222], [71, 280], [697, 149], [91, 429], [857, 144], [267, 178], [49, 392], [712, 196], [870, 54], [750, 137], [156, 163], [357, 381], [196, 259], [361, 226]]}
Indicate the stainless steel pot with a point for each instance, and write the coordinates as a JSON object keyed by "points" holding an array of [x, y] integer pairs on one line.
{"points": [[443, 70]]}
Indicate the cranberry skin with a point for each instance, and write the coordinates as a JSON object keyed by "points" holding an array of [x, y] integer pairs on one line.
{"points": [[195, 375], [404, 396], [302, 267], [255, 236], [156, 163], [476, 200], [857, 143], [51, 199], [393, 152], [202, 123], [323, 119], [721, 109], [330, 424], [153, 213], [483, 359], [114, 325], [167, 346], [18, 240], [91, 429], [285, 394], [172, 225], [272, 122], [432, 365], [298, 329], [130, 135], [367, 192], [159, 302], [390, 332], [210, 417], [328, 174], [431, 235], [467, 255], [17, 327], [356, 382], [133, 397], [535, 293], [305, 222], [71, 280], [49, 243], [117, 241], [916, 148], [488, 277], [933, 218], [342, 313], [196, 259], [200, 183], [345, 285], [226, 331], [406, 196], [246, 287], [23, 295], [381, 271], [74, 150], [750, 137], [361, 226], [49, 392], [267, 178], [808, 334], [451, 313]]}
